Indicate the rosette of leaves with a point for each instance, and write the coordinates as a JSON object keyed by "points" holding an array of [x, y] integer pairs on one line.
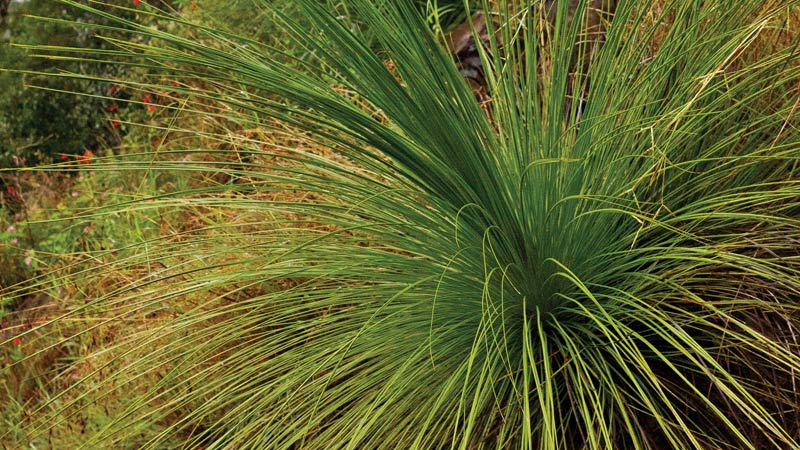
{"points": [[607, 255]]}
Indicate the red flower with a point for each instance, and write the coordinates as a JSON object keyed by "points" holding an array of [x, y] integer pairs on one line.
{"points": [[112, 89], [174, 84], [11, 191], [63, 156], [135, 2], [115, 123], [85, 158], [146, 99], [112, 108], [17, 341]]}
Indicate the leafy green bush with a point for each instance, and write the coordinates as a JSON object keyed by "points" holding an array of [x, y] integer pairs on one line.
{"points": [[39, 117], [595, 260]]}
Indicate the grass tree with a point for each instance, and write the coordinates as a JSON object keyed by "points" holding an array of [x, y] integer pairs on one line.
{"points": [[604, 255]]}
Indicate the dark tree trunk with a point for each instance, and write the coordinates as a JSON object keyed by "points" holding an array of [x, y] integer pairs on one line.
{"points": [[4, 4]]}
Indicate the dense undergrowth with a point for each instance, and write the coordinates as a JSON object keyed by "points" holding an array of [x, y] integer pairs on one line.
{"points": [[332, 244]]}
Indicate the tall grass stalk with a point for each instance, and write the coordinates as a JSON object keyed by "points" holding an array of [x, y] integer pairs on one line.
{"points": [[607, 255]]}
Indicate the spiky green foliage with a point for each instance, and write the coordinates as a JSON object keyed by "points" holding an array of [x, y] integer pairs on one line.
{"points": [[607, 256]]}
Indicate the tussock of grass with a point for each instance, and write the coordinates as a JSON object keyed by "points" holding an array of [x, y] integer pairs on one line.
{"points": [[354, 261]]}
